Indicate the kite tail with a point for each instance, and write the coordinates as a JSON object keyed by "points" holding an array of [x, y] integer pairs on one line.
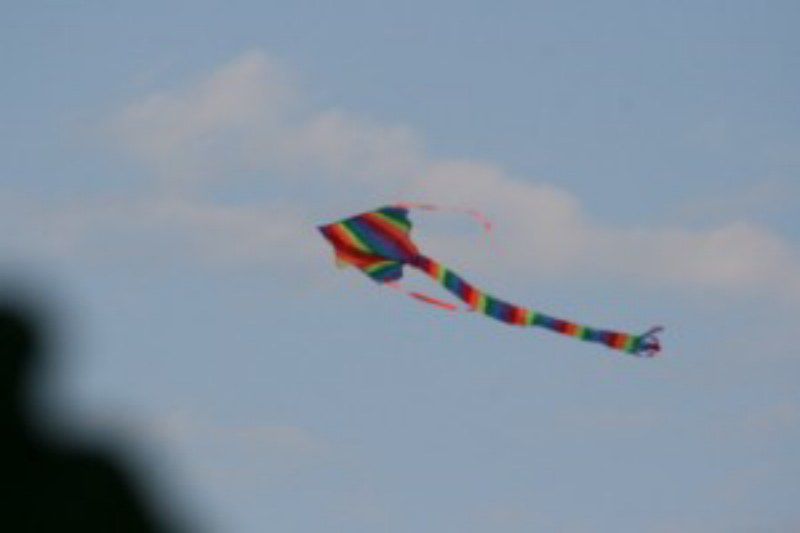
{"points": [[644, 345]]}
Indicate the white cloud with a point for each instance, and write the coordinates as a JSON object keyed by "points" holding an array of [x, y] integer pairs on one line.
{"points": [[249, 114], [736, 255], [343, 145], [546, 230], [185, 133], [541, 228], [249, 118], [232, 234]]}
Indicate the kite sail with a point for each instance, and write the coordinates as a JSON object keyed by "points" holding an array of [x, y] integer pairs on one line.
{"points": [[379, 244]]}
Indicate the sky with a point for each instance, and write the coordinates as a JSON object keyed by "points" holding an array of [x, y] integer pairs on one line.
{"points": [[163, 166]]}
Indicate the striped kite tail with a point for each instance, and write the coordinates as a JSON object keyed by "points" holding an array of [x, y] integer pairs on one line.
{"points": [[644, 345]]}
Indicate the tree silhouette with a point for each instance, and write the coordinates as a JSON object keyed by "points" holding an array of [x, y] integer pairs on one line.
{"points": [[48, 485]]}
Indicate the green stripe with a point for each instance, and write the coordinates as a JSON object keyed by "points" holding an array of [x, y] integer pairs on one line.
{"points": [[482, 302], [450, 280], [492, 307], [442, 274]]}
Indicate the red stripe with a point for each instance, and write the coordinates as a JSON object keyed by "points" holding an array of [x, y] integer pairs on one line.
{"points": [[619, 340], [472, 297], [613, 339], [464, 293], [345, 249], [570, 329]]}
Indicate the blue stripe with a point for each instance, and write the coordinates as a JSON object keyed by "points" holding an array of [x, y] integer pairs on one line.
{"points": [[546, 321], [499, 309], [388, 273], [453, 283], [376, 241]]}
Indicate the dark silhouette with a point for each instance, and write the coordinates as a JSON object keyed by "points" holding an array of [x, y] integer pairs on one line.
{"points": [[46, 484]]}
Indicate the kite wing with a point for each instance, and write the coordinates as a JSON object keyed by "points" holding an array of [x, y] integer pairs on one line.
{"points": [[377, 243]]}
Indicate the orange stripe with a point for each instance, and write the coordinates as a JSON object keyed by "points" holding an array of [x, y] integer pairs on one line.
{"points": [[433, 269], [619, 341]]}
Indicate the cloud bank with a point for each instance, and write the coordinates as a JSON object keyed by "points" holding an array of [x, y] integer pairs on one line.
{"points": [[246, 126]]}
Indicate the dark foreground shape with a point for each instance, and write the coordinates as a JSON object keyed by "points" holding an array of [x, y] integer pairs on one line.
{"points": [[44, 485]]}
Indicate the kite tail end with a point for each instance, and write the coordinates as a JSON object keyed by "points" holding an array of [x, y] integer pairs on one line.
{"points": [[649, 345]]}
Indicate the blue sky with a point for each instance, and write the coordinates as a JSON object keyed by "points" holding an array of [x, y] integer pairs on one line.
{"points": [[164, 165]]}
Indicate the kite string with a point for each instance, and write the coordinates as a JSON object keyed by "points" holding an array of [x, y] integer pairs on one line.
{"points": [[476, 215]]}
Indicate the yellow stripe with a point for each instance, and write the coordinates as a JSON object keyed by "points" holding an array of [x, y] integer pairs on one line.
{"points": [[377, 266], [526, 317], [441, 274], [481, 304], [629, 343]]}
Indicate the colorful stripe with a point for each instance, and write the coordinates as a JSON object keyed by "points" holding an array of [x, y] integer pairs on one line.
{"points": [[379, 244], [511, 314]]}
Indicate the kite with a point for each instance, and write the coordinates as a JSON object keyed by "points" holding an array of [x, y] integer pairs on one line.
{"points": [[379, 244]]}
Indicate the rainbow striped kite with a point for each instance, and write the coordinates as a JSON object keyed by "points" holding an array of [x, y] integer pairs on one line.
{"points": [[379, 244]]}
